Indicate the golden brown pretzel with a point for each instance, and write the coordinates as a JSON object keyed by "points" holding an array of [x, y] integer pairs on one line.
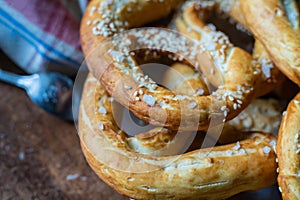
{"points": [[234, 93], [189, 23], [160, 141], [288, 151], [215, 173], [272, 77], [202, 174], [269, 23]]}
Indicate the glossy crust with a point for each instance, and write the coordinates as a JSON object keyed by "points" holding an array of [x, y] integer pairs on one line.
{"points": [[268, 22], [288, 151], [183, 80], [233, 95], [262, 115], [271, 77], [215, 173], [189, 23]]}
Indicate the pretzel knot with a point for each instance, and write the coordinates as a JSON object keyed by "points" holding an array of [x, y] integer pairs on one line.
{"points": [[217, 57], [148, 166], [210, 173]]}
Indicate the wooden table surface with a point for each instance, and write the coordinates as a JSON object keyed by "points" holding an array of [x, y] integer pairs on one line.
{"points": [[40, 155]]}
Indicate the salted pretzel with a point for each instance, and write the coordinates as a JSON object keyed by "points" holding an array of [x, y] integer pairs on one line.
{"points": [[213, 173], [269, 23], [235, 77], [271, 77], [141, 167], [189, 23], [288, 151], [260, 53]]}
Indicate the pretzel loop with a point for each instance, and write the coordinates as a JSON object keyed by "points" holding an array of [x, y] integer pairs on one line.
{"points": [[234, 93], [192, 25], [193, 175], [279, 38], [288, 149]]}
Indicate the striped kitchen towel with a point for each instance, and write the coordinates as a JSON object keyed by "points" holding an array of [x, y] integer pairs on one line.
{"points": [[42, 35]]}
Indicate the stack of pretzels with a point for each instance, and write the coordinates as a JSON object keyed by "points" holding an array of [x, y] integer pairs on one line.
{"points": [[210, 89]]}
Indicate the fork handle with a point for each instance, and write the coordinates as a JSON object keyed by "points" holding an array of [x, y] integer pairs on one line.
{"points": [[14, 79]]}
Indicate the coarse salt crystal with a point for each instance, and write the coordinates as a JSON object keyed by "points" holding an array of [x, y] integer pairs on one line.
{"points": [[150, 100], [102, 110], [237, 146], [234, 106], [239, 102], [192, 105], [100, 126], [242, 151], [225, 113], [273, 143], [229, 152], [266, 149], [223, 108], [200, 92]]}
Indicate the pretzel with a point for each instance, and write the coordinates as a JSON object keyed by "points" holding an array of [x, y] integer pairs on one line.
{"points": [[189, 23], [288, 151], [213, 173], [237, 74], [149, 165], [271, 76], [269, 23]]}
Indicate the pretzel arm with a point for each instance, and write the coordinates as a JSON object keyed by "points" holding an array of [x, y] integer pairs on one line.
{"points": [[279, 38]]}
